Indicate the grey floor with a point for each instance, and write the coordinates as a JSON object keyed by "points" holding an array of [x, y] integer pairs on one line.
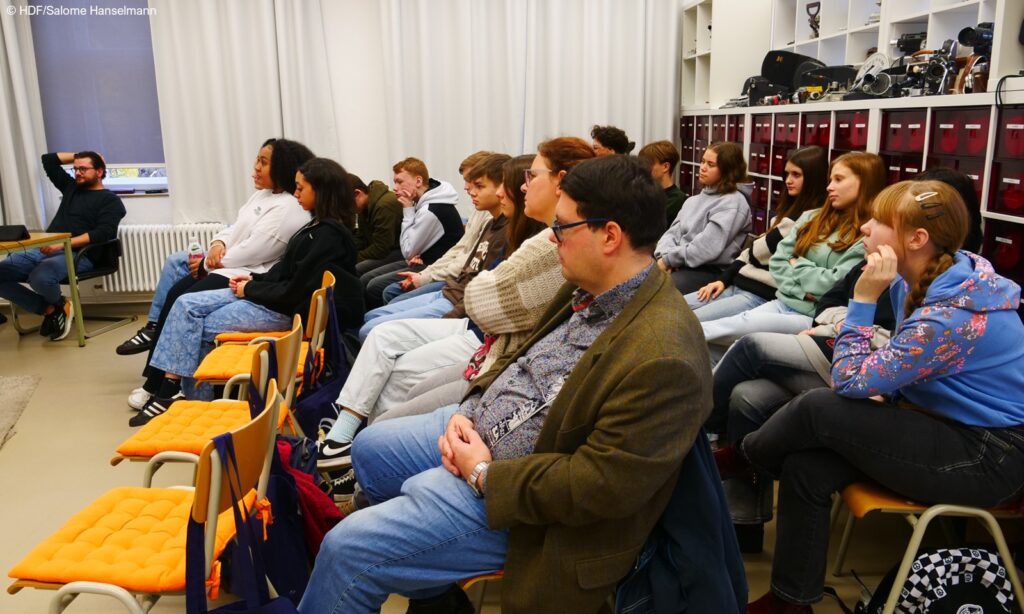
{"points": [[59, 460]]}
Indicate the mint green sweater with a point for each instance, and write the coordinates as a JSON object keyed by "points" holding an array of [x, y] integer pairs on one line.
{"points": [[815, 272]]}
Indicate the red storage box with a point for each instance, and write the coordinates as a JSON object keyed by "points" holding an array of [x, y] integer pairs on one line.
{"points": [[759, 161], [1007, 188], [686, 151], [759, 197], [815, 129], [687, 129], [960, 131], [779, 156], [851, 130], [718, 127], [762, 132], [893, 168], [734, 128], [686, 175], [703, 131], [759, 220], [1004, 242], [972, 167], [787, 128], [975, 169], [698, 150], [776, 192], [1010, 138], [903, 131]]}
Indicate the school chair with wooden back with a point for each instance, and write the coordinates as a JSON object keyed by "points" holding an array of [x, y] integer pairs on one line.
{"points": [[180, 433], [234, 354], [130, 543]]}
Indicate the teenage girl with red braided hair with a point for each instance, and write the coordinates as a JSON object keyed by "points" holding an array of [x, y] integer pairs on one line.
{"points": [[935, 415]]}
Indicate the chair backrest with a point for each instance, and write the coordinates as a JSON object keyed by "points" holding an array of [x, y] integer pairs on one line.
{"points": [[253, 443], [105, 258], [288, 348], [316, 323], [260, 367]]}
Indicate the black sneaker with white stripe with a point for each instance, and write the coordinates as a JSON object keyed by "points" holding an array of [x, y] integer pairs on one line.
{"points": [[63, 316], [332, 454], [342, 488], [141, 341], [153, 408]]}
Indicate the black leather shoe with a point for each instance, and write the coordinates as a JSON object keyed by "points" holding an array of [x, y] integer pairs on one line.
{"points": [[452, 601]]}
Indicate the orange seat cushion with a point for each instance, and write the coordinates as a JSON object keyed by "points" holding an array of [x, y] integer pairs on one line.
{"points": [[130, 537], [227, 361], [186, 426], [237, 337], [865, 497]]}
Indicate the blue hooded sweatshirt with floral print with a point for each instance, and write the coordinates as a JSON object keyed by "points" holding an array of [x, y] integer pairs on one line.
{"points": [[959, 355]]}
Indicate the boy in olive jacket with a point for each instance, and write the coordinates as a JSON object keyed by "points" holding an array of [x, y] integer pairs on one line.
{"points": [[379, 224]]}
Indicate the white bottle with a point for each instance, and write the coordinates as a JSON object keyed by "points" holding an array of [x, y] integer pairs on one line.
{"points": [[195, 252]]}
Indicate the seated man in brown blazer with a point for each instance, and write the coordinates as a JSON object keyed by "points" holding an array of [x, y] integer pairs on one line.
{"points": [[560, 459]]}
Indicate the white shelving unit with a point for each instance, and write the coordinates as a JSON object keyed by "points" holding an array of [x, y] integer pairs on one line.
{"points": [[710, 32]]}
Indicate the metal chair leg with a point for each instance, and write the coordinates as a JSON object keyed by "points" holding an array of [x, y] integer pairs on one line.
{"points": [[915, 543], [844, 544], [16, 323]]}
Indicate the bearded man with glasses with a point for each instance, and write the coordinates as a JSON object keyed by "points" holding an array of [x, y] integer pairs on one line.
{"points": [[88, 211]]}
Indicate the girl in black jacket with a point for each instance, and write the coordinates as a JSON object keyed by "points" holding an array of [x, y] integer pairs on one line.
{"points": [[261, 302]]}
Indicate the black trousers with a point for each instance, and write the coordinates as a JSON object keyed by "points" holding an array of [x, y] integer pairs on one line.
{"points": [[820, 443]]}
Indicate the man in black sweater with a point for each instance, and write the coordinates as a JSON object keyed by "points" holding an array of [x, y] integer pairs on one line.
{"points": [[90, 213]]}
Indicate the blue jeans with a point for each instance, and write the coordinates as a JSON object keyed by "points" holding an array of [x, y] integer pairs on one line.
{"points": [[730, 302], [771, 317], [424, 530], [43, 274], [394, 293], [432, 305], [197, 318], [175, 269]]}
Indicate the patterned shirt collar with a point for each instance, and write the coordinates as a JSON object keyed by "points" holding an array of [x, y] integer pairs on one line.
{"points": [[608, 304]]}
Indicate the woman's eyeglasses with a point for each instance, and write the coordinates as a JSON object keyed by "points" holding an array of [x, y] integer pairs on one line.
{"points": [[531, 173]]}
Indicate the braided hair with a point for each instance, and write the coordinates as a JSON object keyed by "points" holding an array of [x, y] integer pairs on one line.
{"points": [[933, 206]]}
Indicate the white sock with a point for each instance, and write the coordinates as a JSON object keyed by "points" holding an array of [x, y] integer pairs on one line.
{"points": [[344, 429]]}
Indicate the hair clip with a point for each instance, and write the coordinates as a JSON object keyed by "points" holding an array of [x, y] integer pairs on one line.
{"points": [[924, 196]]}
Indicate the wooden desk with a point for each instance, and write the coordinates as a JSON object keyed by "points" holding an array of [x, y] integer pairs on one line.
{"points": [[40, 239]]}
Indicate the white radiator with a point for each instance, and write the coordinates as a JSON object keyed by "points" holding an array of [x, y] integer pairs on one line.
{"points": [[145, 248]]}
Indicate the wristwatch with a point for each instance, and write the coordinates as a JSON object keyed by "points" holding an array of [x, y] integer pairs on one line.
{"points": [[480, 468]]}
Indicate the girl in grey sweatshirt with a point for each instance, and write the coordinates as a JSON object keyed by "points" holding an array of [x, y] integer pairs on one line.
{"points": [[709, 230]]}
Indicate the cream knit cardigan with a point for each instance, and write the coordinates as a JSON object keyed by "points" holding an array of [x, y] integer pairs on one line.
{"points": [[508, 300]]}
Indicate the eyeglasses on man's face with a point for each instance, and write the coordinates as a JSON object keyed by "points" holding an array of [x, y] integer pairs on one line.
{"points": [[531, 173], [83, 169], [559, 229]]}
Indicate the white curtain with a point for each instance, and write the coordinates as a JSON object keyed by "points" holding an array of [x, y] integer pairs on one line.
{"points": [[369, 82], [507, 74], [307, 93], [218, 85], [25, 193]]}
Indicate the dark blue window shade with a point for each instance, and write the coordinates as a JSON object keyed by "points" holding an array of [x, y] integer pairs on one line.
{"points": [[97, 82]]}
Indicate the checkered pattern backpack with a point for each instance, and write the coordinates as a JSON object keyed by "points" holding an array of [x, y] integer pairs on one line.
{"points": [[949, 581]]}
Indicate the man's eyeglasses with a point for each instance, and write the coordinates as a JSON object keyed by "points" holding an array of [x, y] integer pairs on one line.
{"points": [[559, 229], [531, 173], [83, 169]]}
